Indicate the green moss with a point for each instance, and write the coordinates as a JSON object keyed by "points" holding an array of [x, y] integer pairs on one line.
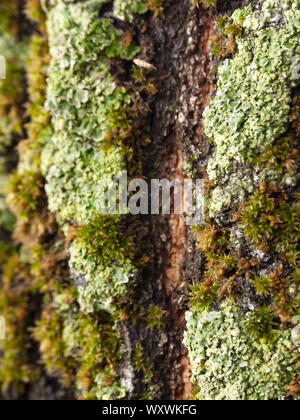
{"points": [[53, 345], [156, 317], [220, 264], [252, 87], [83, 350], [104, 239], [204, 295], [39, 128], [209, 3], [35, 11], [9, 11], [17, 296], [101, 260], [262, 323], [102, 338], [17, 307], [7, 219], [269, 218], [11, 89], [26, 193], [11, 96], [14, 50], [262, 285], [223, 42], [230, 364]]}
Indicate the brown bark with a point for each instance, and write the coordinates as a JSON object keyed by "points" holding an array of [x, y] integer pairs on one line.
{"points": [[180, 39]]}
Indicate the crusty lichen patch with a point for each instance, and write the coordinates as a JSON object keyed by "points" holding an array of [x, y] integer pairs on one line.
{"points": [[104, 272], [86, 107], [251, 108], [228, 363], [91, 124], [125, 9]]}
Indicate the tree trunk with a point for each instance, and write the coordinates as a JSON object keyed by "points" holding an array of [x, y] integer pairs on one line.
{"points": [[108, 306]]}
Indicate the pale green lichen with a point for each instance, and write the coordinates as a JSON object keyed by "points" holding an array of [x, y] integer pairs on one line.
{"points": [[230, 364], [85, 105], [90, 119], [90, 116], [101, 284], [253, 100], [74, 176], [238, 356], [125, 9]]}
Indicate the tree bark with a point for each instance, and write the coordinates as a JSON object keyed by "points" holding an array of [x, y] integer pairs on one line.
{"points": [[139, 345]]}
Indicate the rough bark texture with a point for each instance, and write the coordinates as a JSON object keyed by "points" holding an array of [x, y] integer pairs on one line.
{"points": [[63, 343]]}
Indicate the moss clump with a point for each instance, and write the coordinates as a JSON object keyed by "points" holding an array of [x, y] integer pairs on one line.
{"points": [[53, 348], [156, 317], [104, 239], [38, 128], [11, 90], [35, 13], [208, 3], [26, 193], [230, 364], [83, 350], [252, 87], [9, 13], [223, 42], [17, 305], [7, 219], [221, 266], [268, 218], [11, 96], [101, 260], [271, 223]]}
